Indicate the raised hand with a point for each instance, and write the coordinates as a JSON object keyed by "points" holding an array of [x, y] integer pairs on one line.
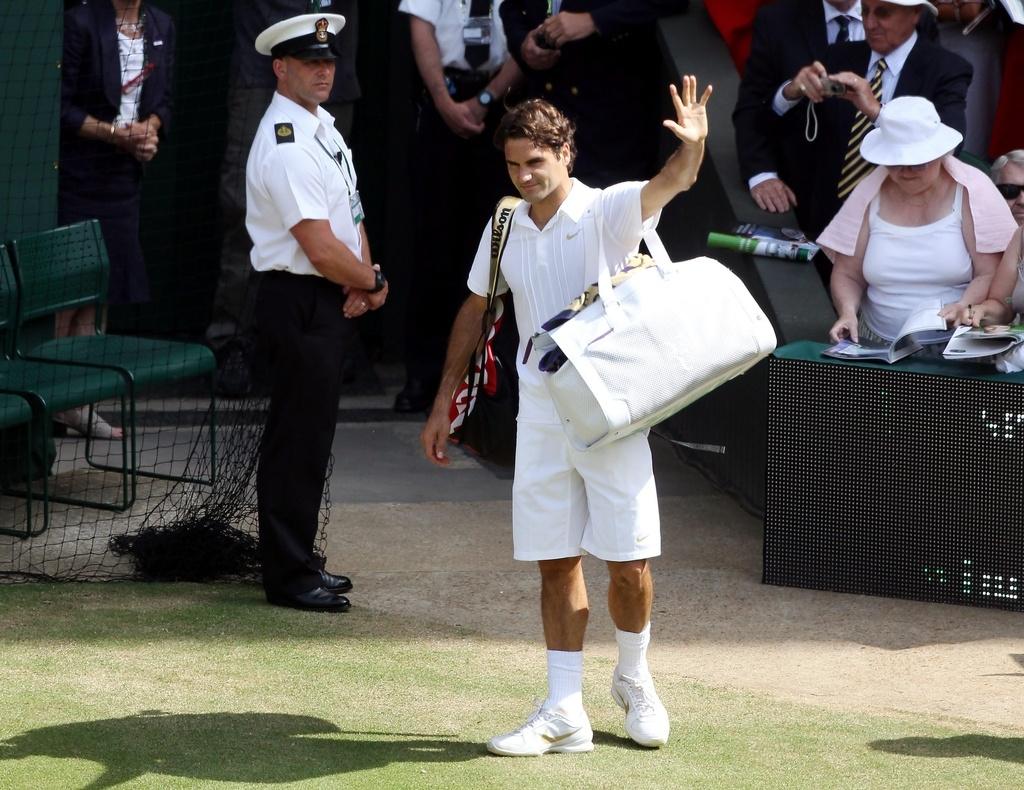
{"points": [[691, 123]]}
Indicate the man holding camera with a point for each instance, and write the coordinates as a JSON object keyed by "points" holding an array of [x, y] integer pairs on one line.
{"points": [[787, 35], [843, 94]]}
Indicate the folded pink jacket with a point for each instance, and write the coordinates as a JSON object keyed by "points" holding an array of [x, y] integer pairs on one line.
{"points": [[993, 222]]}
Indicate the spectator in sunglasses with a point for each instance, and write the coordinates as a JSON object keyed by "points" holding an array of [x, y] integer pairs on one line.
{"points": [[1008, 173]]}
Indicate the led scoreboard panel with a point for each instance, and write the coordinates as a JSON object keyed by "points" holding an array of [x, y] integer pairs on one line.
{"points": [[902, 480]]}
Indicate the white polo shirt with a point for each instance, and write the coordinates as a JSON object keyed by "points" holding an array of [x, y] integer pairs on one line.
{"points": [[546, 268], [449, 18], [299, 168]]}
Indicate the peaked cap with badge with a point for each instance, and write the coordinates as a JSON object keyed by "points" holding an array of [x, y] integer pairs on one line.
{"points": [[306, 37]]}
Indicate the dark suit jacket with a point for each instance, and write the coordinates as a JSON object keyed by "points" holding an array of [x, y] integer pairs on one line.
{"points": [[609, 84], [788, 35], [935, 73], [91, 85]]}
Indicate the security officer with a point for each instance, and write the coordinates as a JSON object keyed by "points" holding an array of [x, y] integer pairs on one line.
{"points": [[251, 86], [306, 222], [457, 175]]}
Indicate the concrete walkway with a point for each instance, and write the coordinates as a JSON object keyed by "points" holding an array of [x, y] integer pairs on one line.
{"points": [[435, 544]]}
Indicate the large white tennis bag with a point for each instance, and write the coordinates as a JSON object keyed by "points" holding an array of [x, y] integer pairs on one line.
{"points": [[656, 342]]}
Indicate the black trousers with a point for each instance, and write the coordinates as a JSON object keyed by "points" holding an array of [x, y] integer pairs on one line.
{"points": [[456, 185], [301, 331]]}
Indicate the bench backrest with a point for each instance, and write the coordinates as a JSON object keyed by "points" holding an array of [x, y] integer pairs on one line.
{"points": [[8, 302], [60, 269]]}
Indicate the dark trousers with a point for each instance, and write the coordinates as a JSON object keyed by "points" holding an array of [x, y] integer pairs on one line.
{"points": [[456, 185], [301, 331]]}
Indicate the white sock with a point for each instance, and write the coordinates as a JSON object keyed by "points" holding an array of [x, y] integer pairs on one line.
{"points": [[565, 682], [633, 652]]}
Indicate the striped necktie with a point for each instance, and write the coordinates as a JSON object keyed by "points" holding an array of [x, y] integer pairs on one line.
{"points": [[854, 166]]}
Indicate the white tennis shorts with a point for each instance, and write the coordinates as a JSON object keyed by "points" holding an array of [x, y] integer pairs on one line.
{"points": [[565, 502]]}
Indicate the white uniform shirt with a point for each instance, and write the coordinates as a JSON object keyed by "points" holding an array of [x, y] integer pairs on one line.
{"points": [[547, 268], [299, 168], [449, 18]]}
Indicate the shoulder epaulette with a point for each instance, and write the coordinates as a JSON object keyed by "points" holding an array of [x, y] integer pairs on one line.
{"points": [[284, 133]]}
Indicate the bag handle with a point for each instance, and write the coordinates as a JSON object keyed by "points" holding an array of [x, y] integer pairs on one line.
{"points": [[612, 310], [604, 278]]}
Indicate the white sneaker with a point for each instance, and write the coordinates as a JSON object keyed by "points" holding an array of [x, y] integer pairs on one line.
{"points": [[646, 718], [545, 731]]}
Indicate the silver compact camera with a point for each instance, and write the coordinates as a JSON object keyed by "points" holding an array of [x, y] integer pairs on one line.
{"points": [[832, 87]]}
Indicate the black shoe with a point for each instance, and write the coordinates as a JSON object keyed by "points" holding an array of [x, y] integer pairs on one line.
{"points": [[316, 600], [234, 376], [335, 584], [414, 397]]}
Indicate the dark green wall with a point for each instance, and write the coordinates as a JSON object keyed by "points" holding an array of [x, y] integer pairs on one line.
{"points": [[180, 220], [30, 44]]}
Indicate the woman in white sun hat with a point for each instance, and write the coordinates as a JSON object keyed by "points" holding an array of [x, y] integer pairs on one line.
{"points": [[922, 228]]}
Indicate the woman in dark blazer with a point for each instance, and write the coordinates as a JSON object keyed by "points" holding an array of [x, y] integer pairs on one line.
{"points": [[115, 110]]}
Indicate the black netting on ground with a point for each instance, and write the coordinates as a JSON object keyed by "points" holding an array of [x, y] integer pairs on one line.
{"points": [[173, 498], [896, 484]]}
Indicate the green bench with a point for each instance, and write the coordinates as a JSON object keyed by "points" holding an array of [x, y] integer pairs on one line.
{"points": [[67, 268], [48, 388]]}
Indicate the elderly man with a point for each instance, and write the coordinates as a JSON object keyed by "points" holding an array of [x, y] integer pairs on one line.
{"points": [[838, 98], [1008, 174], [309, 239]]}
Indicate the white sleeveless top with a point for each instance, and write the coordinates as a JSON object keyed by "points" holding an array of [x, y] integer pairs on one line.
{"points": [[907, 266]]}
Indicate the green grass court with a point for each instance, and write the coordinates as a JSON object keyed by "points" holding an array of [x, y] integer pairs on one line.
{"points": [[169, 686]]}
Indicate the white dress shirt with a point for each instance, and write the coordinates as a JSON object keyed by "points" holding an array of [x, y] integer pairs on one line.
{"points": [[856, 28], [449, 18], [287, 181], [546, 268]]}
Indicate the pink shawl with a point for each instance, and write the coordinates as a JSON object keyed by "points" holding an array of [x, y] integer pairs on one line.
{"points": [[993, 222]]}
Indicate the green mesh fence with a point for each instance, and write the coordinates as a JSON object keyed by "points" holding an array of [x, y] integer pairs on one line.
{"points": [[102, 316]]}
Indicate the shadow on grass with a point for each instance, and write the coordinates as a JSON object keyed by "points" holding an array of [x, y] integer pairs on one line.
{"points": [[255, 748], [1010, 750], [606, 739]]}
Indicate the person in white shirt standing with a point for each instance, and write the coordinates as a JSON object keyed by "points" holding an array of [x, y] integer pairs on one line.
{"points": [[566, 502], [305, 219], [456, 176]]}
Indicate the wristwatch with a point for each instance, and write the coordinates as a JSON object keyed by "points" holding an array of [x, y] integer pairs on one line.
{"points": [[378, 281], [485, 97]]}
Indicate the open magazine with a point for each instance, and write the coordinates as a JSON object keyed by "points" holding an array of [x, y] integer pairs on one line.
{"points": [[971, 342], [923, 327]]}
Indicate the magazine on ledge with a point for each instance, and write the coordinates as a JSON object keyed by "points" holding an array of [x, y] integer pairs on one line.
{"points": [[774, 242], [923, 327], [972, 342]]}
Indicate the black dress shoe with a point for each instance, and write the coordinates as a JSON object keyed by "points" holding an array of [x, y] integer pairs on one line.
{"points": [[336, 584], [316, 600], [414, 397]]}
